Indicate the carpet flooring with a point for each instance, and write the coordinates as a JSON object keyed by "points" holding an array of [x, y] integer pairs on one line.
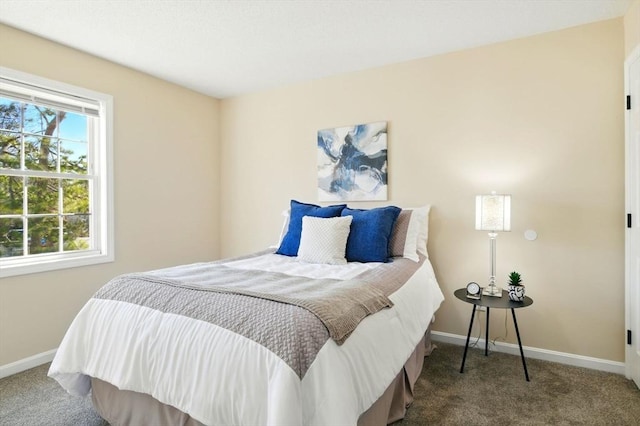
{"points": [[492, 391]]}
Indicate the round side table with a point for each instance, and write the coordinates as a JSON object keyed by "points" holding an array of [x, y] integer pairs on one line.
{"points": [[493, 302]]}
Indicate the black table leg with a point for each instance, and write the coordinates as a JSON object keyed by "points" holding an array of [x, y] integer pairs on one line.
{"points": [[466, 347], [486, 336], [524, 364]]}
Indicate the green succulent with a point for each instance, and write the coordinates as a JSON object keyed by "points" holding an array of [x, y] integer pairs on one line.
{"points": [[515, 279]]}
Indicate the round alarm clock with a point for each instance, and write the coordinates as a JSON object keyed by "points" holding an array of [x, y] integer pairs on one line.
{"points": [[473, 290]]}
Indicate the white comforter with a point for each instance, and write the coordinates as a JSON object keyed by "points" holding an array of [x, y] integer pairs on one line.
{"points": [[143, 350]]}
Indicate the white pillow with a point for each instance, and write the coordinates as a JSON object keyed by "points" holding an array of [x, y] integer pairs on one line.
{"points": [[285, 227], [419, 225], [324, 240]]}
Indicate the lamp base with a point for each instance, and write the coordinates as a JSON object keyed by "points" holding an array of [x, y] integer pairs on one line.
{"points": [[497, 291]]}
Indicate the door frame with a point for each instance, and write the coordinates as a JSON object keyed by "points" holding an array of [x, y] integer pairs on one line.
{"points": [[632, 203]]}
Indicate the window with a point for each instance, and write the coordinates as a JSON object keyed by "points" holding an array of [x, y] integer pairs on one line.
{"points": [[55, 175]]}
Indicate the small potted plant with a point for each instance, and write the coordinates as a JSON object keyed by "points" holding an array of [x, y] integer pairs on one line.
{"points": [[515, 287]]}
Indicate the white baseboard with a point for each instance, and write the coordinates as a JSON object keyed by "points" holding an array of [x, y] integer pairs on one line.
{"points": [[537, 353], [26, 363], [437, 336]]}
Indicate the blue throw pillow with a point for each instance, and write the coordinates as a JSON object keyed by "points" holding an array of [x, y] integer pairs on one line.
{"points": [[370, 233], [291, 241]]}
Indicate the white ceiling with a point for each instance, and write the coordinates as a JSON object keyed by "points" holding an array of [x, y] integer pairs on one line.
{"points": [[226, 48]]}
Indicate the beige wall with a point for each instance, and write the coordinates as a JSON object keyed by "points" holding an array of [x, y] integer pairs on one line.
{"points": [[166, 145], [632, 28], [539, 118]]}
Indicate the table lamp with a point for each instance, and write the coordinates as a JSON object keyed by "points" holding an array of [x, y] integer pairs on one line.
{"points": [[493, 214]]}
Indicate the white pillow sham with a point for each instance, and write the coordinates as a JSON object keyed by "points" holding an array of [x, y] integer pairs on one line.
{"points": [[324, 240], [422, 217], [285, 226], [417, 233]]}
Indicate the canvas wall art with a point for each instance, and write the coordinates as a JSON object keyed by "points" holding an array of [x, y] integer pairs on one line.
{"points": [[352, 163]]}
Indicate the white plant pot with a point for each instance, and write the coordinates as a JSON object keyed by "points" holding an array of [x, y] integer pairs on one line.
{"points": [[516, 292]]}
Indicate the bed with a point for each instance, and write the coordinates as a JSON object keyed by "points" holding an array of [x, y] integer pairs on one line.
{"points": [[263, 339]]}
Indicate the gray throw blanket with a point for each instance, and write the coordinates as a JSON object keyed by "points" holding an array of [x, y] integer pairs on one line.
{"points": [[339, 304]]}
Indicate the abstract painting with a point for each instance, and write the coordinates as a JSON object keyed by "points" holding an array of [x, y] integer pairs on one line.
{"points": [[352, 163]]}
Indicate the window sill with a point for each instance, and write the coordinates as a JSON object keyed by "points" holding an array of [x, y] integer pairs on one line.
{"points": [[44, 263]]}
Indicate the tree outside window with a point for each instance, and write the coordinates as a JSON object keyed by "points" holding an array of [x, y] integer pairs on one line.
{"points": [[53, 211]]}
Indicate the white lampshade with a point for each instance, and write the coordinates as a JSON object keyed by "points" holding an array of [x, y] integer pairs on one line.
{"points": [[493, 212]]}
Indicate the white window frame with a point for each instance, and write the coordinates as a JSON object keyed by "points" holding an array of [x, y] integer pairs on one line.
{"points": [[56, 93]]}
